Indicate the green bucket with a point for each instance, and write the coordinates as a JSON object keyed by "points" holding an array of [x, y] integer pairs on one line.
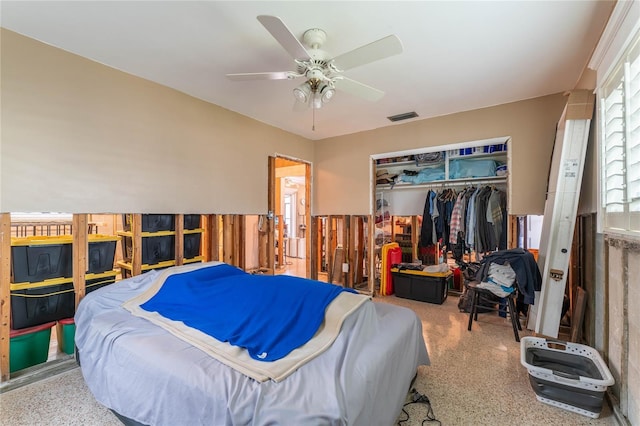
{"points": [[66, 338]]}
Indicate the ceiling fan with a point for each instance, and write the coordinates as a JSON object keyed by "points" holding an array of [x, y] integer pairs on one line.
{"points": [[323, 74]]}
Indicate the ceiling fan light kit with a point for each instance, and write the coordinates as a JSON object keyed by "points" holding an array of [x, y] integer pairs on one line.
{"points": [[323, 73], [302, 93], [326, 91]]}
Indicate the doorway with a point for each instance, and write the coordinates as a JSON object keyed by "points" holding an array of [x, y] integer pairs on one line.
{"points": [[292, 214]]}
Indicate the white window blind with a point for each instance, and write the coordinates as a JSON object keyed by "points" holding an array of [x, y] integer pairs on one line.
{"points": [[620, 174]]}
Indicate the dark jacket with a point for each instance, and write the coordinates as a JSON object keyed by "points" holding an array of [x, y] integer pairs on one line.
{"points": [[523, 263]]}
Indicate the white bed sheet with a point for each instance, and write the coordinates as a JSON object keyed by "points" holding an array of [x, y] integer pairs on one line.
{"points": [[146, 374]]}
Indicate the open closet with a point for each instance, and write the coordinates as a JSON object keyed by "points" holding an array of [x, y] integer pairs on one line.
{"points": [[430, 200]]}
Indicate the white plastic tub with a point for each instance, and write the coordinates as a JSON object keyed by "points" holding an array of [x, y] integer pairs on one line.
{"points": [[566, 375]]}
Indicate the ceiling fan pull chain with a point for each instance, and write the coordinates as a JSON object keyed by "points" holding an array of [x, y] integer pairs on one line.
{"points": [[313, 125]]}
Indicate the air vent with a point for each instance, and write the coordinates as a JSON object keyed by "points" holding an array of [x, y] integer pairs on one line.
{"points": [[404, 116]]}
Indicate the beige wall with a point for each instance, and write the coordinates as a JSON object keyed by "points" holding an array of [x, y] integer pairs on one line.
{"points": [[80, 137], [342, 163]]}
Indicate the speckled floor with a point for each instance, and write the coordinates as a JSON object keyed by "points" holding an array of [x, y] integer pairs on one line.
{"points": [[475, 378], [63, 399]]}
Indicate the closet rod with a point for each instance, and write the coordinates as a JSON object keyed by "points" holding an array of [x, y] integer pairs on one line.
{"points": [[448, 184]]}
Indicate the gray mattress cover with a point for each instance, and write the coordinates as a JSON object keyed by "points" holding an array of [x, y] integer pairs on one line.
{"points": [[146, 374]]}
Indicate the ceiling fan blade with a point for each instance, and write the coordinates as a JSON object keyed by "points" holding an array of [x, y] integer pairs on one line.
{"points": [[284, 36], [374, 51], [358, 89], [280, 75]]}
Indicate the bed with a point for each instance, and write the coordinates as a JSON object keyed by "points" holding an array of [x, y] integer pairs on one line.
{"points": [[149, 375]]}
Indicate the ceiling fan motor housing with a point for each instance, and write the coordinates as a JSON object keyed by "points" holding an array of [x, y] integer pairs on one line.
{"points": [[314, 38], [317, 73]]}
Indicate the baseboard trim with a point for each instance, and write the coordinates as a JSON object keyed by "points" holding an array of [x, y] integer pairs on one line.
{"points": [[38, 372]]}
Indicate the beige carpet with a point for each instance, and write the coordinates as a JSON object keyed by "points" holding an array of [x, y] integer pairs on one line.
{"points": [[475, 379]]}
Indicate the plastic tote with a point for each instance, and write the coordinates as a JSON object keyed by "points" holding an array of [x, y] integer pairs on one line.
{"points": [[566, 375], [65, 332], [29, 346]]}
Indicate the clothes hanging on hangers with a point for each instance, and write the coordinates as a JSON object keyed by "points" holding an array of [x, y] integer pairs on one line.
{"points": [[427, 231], [478, 212], [481, 215], [445, 201]]}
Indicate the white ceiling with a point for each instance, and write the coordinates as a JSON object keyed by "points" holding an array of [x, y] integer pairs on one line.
{"points": [[458, 55]]}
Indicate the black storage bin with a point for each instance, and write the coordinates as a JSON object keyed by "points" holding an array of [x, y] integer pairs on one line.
{"points": [[39, 305], [431, 289], [422, 286], [158, 249], [154, 249], [151, 222], [41, 258], [192, 245], [96, 283], [102, 251], [402, 285], [191, 221]]}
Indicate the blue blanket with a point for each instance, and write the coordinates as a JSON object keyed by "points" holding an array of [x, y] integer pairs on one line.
{"points": [[268, 315]]}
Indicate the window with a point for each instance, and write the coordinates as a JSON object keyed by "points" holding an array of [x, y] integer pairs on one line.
{"points": [[620, 156]]}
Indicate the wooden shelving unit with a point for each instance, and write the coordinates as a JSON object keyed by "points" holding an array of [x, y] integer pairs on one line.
{"points": [[135, 265], [80, 249]]}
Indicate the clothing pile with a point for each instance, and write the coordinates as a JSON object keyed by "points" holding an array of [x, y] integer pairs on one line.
{"points": [[384, 178], [528, 277], [429, 158], [500, 280], [424, 175]]}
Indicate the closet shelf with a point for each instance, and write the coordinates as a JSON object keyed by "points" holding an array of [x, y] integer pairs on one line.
{"points": [[497, 155], [388, 164], [397, 164]]}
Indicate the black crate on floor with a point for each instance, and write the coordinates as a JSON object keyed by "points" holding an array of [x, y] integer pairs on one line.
{"points": [[191, 221], [192, 245], [35, 259], [39, 305], [151, 222], [401, 285], [422, 286]]}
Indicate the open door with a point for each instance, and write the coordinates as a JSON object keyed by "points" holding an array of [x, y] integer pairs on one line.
{"points": [[266, 234], [290, 216]]}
